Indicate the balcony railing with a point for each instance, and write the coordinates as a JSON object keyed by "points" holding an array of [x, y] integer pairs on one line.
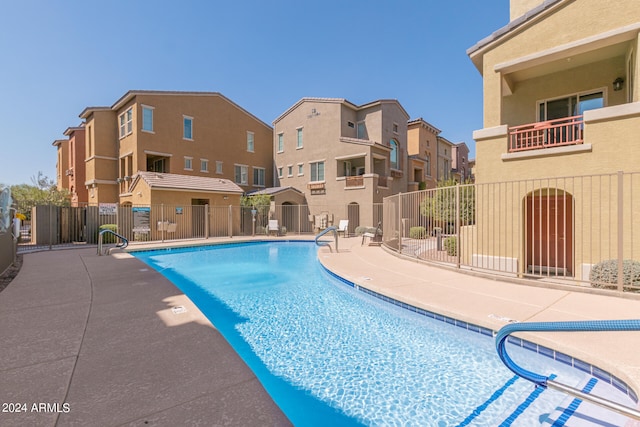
{"points": [[354, 181], [551, 133]]}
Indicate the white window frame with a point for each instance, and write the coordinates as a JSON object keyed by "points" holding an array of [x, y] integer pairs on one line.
{"points": [[219, 167], [289, 171], [299, 138], [204, 165], [251, 144], [577, 95], [244, 174], [184, 128], [147, 108], [188, 163], [300, 169], [258, 173], [361, 125], [125, 123], [280, 172], [280, 142], [313, 165]]}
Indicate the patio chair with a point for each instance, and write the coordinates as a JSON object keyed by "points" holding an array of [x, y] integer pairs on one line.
{"points": [[343, 227], [375, 238], [273, 227]]}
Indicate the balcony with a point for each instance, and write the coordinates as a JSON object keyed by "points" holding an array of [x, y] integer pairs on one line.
{"points": [[354, 181], [548, 134]]}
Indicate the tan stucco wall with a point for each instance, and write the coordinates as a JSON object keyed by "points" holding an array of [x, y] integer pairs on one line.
{"points": [[219, 134], [588, 18], [520, 7], [321, 142]]}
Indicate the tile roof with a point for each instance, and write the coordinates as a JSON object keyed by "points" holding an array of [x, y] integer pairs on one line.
{"points": [[171, 181], [273, 190]]}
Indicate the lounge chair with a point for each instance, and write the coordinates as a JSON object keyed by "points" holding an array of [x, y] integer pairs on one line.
{"points": [[273, 227], [343, 227], [375, 238]]}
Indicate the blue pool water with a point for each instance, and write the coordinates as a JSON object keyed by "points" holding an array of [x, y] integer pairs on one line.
{"points": [[331, 355]]}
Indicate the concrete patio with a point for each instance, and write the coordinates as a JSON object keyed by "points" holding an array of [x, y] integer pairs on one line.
{"points": [[98, 334]]}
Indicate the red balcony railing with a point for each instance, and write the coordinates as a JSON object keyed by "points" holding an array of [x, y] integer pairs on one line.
{"points": [[552, 133]]}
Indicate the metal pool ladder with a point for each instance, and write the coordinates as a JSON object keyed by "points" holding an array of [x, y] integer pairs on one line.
{"points": [[578, 326], [122, 244], [325, 231]]}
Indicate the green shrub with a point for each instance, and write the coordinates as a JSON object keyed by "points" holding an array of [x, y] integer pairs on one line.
{"points": [[283, 230], [417, 232], [450, 245], [605, 274], [108, 237]]}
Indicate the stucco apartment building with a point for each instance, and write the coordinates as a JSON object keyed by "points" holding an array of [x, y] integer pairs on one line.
{"points": [[70, 165], [189, 134], [561, 99], [344, 158]]}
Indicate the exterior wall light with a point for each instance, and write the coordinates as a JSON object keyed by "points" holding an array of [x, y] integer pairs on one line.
{"points": [[617, 83]]}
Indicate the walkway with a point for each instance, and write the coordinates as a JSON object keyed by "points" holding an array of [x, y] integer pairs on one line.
{"points": [[100, 334]]}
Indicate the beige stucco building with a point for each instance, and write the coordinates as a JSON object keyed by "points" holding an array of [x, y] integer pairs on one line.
{"points": [[202, 134], [70, 165], [345, 158], [422, 148], [561, 99]]}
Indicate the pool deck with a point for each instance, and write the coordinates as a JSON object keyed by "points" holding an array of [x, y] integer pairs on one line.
{"points": [[120, 345]]}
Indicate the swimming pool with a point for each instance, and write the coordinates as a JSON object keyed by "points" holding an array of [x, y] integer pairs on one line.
{"points": [[330, 355]]}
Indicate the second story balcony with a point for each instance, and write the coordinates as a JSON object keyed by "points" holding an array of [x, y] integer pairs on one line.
{"points": [[547, 134]]}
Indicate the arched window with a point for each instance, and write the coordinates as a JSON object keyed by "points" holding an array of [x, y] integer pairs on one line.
{"points": [[393, 144]]}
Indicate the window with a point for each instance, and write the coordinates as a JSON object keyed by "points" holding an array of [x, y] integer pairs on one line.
{"points": [[147, 118], [317, 171], [218, 167], [126, 122], [393, 144], [204, 165], [258, 177], [250, 144], [280, 172], [89, 146], [280, 142], [300, 169], [395, 128], [241, 174], [427, 167], [361, 132], [574, 105], [187, 132], [188, 163], [299, 143], [290, 170], [351, 124]]}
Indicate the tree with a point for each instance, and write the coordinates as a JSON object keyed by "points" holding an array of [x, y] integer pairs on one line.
{"points": [[43, 191], [440, 204], [261, 202]]}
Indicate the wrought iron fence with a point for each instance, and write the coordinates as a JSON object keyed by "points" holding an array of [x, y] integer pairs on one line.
{"points": [[54, 226], [579, 230]]}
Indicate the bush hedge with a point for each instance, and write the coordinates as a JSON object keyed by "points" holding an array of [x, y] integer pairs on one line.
{"points": [[418, 233], [451, 246]]}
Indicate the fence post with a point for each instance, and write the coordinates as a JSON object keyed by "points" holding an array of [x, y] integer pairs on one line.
{"points": [[206, 221], [162, 221], [50, 226], [230, 220], [458, 234], [399, 223], [620, 232]]}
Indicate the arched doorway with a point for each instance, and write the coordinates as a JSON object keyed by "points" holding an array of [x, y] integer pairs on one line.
{"points": [[353, 215], [549, 232]]}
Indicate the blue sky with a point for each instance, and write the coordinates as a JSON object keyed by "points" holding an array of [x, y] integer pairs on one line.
{"points": [[59, 57]]}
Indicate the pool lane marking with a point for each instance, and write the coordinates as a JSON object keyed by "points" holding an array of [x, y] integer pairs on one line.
{"points": [[524, 405], [495, 396], [573, 406]]}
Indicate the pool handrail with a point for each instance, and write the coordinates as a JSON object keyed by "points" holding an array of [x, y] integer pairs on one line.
{"points": [[122, 244], [574, 326], [325, 231]]}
